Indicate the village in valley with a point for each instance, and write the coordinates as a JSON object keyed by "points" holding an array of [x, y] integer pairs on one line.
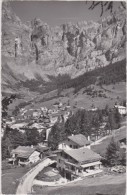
{"points": [[74, 158], [41, 119], [63, 125]]}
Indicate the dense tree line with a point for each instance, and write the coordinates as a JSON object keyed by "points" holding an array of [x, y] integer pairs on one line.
{"points": [[111, 74], [13, 138], [6, 101], [57, 134], [87, 123]]}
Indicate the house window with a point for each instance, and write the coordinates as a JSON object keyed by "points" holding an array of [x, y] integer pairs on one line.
{"points": [[64, 155], [92, 168], [72, 168], [70, 146], [75, 146], [64, 145], [80, 170]]}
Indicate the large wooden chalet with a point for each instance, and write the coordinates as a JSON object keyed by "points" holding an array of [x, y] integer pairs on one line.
{"points": [[78, 162], [76, 159]]}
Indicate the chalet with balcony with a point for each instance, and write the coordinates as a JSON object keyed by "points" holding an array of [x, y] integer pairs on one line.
{"points": [[74, 142], [80, 162], [24, 155]]}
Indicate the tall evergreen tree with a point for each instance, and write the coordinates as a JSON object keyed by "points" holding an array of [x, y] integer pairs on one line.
{"points": [[33, 136], [56, 135], [111, 120], [6, 147], [112, 155], [123, 157], [11, 139], [117, 117]]}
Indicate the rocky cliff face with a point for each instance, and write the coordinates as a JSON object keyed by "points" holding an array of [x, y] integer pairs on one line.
{"points": [[37, 49]]}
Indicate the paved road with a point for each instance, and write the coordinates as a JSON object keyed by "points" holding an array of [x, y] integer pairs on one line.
{"points": [[100, 140], [26, 185]]}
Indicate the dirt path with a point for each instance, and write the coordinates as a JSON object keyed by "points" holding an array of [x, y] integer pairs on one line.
{"points": [[116, 131], [100, 140], [27, 181]]}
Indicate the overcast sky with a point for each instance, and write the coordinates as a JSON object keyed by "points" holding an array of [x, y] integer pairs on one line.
{"points": [[55, 13]]}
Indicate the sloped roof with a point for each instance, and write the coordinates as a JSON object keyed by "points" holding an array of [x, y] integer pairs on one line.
{"points": [[37, 125], [18, 125], [23, 151], [83, 155], [79, 139], [42, 149]]}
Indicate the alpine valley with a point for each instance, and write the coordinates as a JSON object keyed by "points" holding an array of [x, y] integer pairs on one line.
{"points": [[82, 63]]}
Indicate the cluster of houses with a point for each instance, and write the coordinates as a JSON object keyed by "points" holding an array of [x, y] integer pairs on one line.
{"points": [[40, 119], [121, 109], [43, 119], [74, 157]]}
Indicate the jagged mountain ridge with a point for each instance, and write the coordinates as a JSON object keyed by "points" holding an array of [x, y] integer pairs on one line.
{"points": [[71, 49]]}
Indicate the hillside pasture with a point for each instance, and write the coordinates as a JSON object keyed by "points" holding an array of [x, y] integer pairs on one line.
{"points": [[101, 185], [102, 146]]}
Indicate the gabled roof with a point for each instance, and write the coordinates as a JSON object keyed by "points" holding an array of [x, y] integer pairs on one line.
{"points": [[18, 125], [79, 139], [23, 151], [83, 155]]}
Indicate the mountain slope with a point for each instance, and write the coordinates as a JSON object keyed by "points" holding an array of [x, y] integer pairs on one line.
{"points": [[42, 63], [101, 87], [67, 49]]}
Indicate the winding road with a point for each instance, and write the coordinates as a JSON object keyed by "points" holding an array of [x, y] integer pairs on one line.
{"points": [[27, 181]]}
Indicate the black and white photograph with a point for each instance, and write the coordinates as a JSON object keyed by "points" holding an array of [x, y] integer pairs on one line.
{"points": [[63, 97]]}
